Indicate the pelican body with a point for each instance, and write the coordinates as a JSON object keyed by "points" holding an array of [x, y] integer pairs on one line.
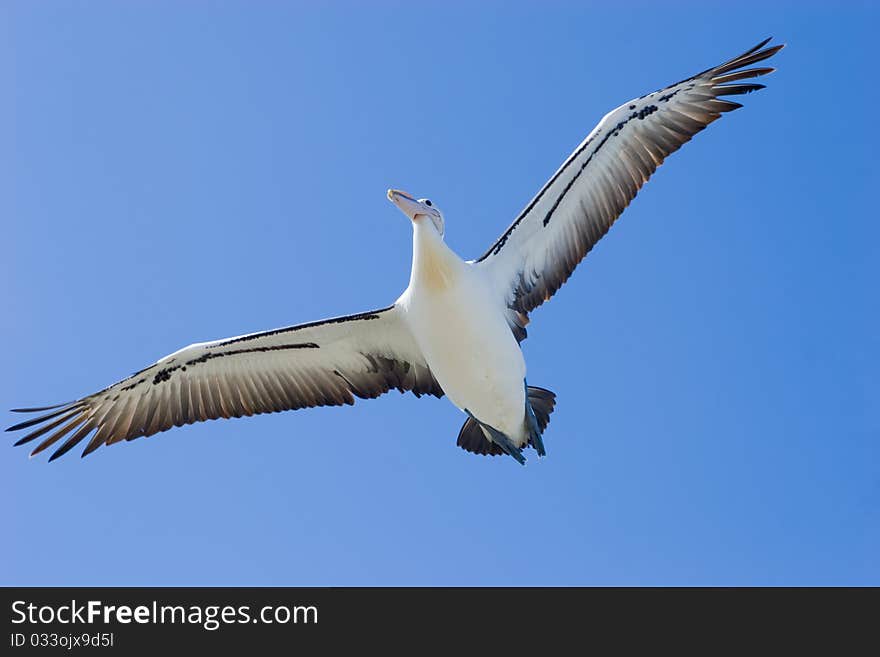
{"points": [[456, 329], [458, 322]]}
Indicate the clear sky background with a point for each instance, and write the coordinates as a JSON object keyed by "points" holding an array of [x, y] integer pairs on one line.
{"points": [[178, 172]]}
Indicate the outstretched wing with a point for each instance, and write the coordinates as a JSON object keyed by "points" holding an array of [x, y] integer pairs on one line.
{"points": [[577, 206], [324, 363]]}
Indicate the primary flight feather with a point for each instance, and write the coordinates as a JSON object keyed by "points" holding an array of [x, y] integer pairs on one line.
{"points": [[456, 328]]}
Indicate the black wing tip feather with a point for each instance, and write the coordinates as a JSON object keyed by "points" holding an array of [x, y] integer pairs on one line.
{"points": [[38, 409], [62, 408], [736, 89], [755, 49], [734, 69], [61, 451], [752, 56], [775, 49], [71, 415]]}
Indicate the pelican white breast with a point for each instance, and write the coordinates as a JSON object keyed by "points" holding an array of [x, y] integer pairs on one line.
{"points": [[457, 327]]}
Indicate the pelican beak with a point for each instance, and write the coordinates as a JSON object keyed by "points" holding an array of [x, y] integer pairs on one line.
{"points": [[407, 204]]}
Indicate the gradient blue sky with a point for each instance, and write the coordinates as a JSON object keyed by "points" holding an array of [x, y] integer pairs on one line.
{"points": [[177, 172]]}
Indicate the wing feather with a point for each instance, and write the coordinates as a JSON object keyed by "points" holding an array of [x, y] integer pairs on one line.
{"points": [[573, 211]]}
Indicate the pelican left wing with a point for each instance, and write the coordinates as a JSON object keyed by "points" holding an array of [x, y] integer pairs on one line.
{"points": [[325, 363], [577, 206]]}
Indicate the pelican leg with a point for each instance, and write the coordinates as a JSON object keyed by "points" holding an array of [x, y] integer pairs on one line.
{"points": [[534, 429], [501, 440]]}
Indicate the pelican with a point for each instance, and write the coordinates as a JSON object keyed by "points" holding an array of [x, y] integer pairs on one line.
{"points": [[456, 329]]}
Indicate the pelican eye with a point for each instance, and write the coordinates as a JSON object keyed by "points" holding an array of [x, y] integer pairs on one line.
{"points": [[428, 203]]}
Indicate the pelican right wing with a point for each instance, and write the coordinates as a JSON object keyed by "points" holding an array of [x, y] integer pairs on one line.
{"points": [[577, 206], [325, 363]]}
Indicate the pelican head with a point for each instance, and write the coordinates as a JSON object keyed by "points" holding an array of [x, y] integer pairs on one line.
{"points": [[414, 209]]}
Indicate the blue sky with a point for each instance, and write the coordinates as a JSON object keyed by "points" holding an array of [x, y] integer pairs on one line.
{"points": [[178, 172]]}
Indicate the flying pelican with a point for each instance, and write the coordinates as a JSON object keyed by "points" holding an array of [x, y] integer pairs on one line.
{"points": [[455, 330]]}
